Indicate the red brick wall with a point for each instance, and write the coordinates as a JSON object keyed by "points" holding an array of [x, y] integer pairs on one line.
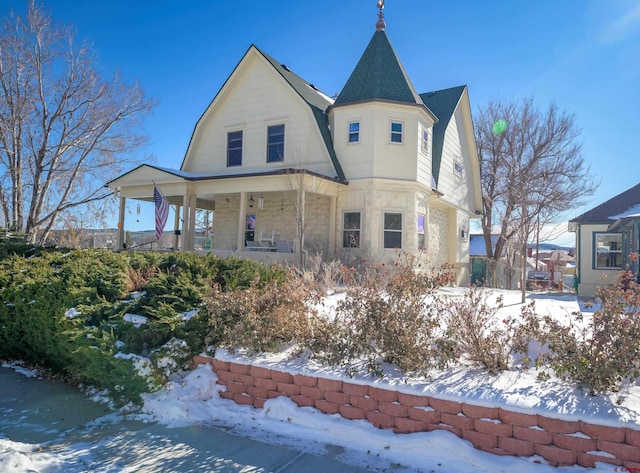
{"points": [[492, 429]]}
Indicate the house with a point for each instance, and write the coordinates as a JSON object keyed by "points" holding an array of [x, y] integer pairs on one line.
{"points": [[380, 168], [605, 237]]}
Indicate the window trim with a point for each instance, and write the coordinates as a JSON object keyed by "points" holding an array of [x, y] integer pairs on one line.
{"points": [[278, 143], [458, 172], [424, 147], [396, 133], [229, 149], [385, 229], [594, 252], [422, 233], [359, 229], [355, 133]]}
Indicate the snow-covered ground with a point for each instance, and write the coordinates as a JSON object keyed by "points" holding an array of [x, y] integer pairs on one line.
{"points": [[193, 399]]}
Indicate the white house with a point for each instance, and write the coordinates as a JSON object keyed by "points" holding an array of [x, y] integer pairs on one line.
{"points": [[379, 168], [606, 235]]}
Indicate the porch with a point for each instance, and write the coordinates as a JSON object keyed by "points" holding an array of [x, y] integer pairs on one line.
{"points": [[273, 218]]}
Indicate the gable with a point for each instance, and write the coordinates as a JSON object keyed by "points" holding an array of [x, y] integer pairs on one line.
{"points": [[258, 94]]}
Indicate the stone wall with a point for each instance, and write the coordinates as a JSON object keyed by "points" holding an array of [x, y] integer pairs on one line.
{"points": [[492, 429]]}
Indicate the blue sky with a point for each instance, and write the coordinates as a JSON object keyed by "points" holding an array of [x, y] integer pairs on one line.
{"points": [[582, 54]]}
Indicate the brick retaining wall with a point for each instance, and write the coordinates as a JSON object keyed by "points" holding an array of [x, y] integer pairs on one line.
{"points": [[492, 429]]}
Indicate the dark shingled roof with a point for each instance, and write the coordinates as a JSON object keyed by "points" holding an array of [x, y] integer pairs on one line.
{"points": [[442, 103], [318, 103], [614, 206], [379, 75]]}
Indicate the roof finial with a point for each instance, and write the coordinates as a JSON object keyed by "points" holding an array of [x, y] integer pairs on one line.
{"points": [[380, 25]]}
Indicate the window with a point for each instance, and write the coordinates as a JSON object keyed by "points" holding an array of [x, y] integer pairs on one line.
{"points": [[351, 230], [396, 132], [421, 237], [234, 148], [354, 132], [457, 168], [392, 230], [275, 143], [425, 141], [608, 250]]}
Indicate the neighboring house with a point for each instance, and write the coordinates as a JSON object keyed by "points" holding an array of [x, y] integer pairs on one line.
{"points": [[605, 237], [379, 168]]}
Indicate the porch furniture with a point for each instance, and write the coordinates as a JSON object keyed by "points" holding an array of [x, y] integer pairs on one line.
{"points": [[284, 246], [265, 237], [257, 246]]}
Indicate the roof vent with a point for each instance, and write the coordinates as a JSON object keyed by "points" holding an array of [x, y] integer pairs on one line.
{"points": [[284, 66]]}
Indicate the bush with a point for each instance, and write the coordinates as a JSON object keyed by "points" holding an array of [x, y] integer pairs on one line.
{"points": [[601, 353], [473, 326], [260, 319], [389, 316]]}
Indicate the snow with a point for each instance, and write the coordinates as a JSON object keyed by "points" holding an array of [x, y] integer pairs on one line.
{"points": [[633, 211], [135, 319], [72, 313], [194, 399]]}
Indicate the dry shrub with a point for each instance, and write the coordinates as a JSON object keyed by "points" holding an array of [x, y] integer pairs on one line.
{"points": [[260, 319], [472, 324], [137, 278], [387, 317], [601, 354]]}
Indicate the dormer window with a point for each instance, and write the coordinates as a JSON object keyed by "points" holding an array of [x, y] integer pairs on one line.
{"points": [[396, 132], [354, 132]]}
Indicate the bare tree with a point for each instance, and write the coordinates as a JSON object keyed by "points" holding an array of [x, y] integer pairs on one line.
{"points": [[531, 169], [64, 130]]}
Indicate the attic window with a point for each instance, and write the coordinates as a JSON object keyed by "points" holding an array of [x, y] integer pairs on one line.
{"points": [[275, 143], [457, 169]]}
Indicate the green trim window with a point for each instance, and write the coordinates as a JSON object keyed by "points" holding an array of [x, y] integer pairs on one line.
{"points": [[351, 229], [396, 132], [607, 250], [275, 143], [392, 230], [234, 148], [421, 234], [354, 132]]}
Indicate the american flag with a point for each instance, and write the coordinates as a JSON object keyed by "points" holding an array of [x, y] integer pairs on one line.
{"points": [[162, 211]]}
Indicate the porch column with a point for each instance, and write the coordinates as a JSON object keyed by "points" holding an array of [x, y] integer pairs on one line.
{"points": [[302, 195], [332, 225], [242, 217], [176, 227], [120, 240], [185, 222], [192, 222]]}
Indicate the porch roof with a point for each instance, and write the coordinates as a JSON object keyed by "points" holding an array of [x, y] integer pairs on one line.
{"points": [[171, 174]]}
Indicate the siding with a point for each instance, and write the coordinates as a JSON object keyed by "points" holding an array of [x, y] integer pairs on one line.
{"points": [[257, 97]]}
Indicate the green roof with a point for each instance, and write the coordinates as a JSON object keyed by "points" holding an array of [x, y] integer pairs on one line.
{"points": [[379, 75], [442, 103]]}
